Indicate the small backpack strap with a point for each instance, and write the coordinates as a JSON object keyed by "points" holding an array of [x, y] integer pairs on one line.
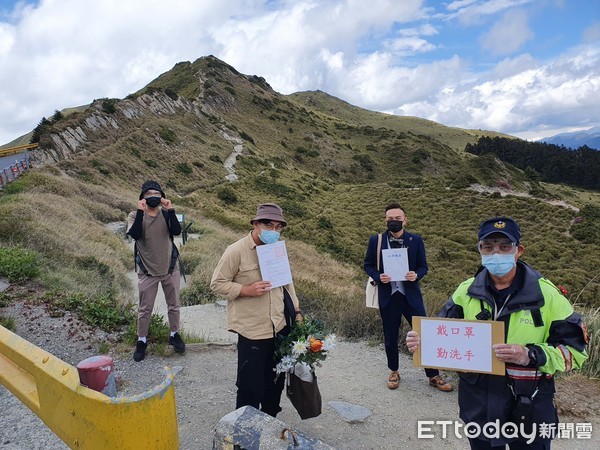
{"points": [[379, 237], [137, 259], [484, 314]]}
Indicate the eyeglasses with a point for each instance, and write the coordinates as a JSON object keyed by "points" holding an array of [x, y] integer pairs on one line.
{"points": [[501, 246], [273, 227], [152, 194]]}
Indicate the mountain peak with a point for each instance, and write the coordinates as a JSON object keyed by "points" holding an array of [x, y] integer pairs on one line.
{"points": [[576, 139]]}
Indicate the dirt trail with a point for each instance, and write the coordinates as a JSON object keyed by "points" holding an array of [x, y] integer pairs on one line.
{"points": [[205, 390]]}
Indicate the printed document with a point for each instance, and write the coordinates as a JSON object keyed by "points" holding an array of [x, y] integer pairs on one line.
{"points": [[274, 264], [395, 263]]}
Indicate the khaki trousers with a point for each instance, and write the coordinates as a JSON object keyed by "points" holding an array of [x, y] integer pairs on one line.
{"points": [[148, 288]]}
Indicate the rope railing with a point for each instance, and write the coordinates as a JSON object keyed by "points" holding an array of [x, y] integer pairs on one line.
{"points": [[11, 173]]}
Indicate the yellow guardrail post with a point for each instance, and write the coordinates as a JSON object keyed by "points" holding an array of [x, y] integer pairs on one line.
{"points": [[81, 417]]}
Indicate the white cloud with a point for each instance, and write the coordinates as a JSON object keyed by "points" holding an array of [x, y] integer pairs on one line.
{"points": [[523, 96], [379, 85], [508, 34], [65, 53], [7, 38], [474, 12], [300, 34], [408, 46]]}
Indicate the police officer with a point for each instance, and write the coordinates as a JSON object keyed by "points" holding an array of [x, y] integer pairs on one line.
{"points": [[543, 336]]}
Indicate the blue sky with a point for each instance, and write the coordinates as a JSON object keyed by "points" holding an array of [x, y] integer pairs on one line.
{"points": [[529, 68]]}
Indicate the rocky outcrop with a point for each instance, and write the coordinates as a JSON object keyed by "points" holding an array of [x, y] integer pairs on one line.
{"points": [[96, 122], [73, 140], [65, 145]]}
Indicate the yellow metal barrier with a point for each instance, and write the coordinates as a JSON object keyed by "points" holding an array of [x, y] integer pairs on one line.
{"points": [[13, 150], [81, 417]]}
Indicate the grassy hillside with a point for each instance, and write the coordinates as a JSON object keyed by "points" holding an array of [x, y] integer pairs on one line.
{"points": [[330, 165], [455, 138]]}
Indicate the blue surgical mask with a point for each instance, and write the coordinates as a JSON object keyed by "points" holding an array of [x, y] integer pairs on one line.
{"points": [[498, 265], [268, 236]]}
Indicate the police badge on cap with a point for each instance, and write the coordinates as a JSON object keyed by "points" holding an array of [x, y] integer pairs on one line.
{"points": [[504, 225]]}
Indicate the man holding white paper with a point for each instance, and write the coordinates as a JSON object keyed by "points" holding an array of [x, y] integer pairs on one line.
{"points": [[404, 264], [543, 336], [255, 309]]}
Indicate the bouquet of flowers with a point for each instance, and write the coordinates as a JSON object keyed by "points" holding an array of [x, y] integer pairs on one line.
{"points": [[307, 344]]}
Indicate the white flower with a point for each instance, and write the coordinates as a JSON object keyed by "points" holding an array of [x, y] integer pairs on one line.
{"points": [[329, 342], [286, 364], [299, 347]]}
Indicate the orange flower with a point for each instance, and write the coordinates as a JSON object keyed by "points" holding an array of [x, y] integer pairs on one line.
{"points": [[316, 345]]}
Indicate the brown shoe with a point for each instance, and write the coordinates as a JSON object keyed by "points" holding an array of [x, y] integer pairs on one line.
{"points": [[394, 380], [439, 383]]}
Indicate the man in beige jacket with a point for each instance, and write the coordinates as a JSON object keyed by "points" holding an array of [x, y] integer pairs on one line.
{"points": [[255, 311]]}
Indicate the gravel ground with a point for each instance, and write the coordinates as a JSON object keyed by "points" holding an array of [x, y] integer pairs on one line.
{"points": [[205, 389]]}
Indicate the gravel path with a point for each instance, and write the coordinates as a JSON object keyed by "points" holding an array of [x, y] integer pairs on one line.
{"points": [[205, 389]]}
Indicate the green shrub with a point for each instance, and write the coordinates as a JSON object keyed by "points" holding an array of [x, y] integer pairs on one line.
{"points": [[167, 135], [8, 323], [268, 186], [99, 166], [109, 105], [102, 312], [246, 137], [67, 301], [158, 332], [227, 195], [592, 322], [104, 348], [365, 161], [4, 300], [99, 311], [312, 153], [198, 293], [183, 168], [18, 264], [293, 209], [171, 94], [587, 228], [324, 223]]}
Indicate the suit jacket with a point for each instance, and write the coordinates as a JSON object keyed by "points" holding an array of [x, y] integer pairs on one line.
{"points": [[417, 262]]}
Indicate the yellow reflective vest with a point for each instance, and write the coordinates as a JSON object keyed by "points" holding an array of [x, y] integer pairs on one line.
{"points": [[536, 315], [560, 339]]}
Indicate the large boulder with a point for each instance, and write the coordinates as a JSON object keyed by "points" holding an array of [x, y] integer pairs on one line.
{"points": [[250, 429]]}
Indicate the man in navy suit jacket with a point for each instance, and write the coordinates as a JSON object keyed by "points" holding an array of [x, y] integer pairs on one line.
{"points": [[399, 298]]}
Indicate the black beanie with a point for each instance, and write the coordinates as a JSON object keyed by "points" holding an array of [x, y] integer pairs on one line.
{"points": [[150, 184]]}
